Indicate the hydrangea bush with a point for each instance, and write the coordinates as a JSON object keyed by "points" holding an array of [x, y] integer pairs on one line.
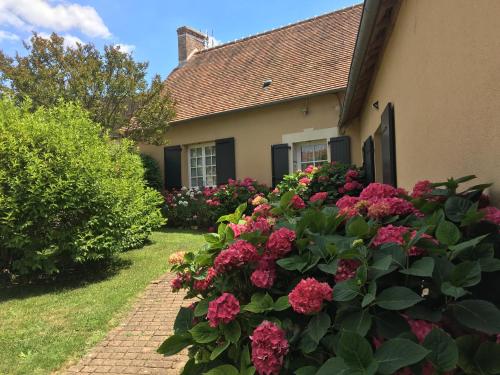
{"points": [[200, 208], [386, 282], [333, 179]]}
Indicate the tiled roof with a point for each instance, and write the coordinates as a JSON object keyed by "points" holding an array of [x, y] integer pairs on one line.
{"points": [[302, 59]]}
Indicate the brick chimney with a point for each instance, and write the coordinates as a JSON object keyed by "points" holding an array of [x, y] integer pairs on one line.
{"points": [[189, 41]]}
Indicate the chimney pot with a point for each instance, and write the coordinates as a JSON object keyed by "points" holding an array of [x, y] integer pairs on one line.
{"points": [[189, 41]]}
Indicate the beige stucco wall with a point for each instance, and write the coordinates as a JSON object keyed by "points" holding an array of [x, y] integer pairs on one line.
{"points": [[441, 69], [254, 130]]}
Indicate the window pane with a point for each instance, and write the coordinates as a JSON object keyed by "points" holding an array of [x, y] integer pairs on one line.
{"points": [[320, 153], [307, 153]]}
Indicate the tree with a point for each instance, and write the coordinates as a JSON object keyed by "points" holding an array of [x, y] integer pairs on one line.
{"points": [[110, 85]]}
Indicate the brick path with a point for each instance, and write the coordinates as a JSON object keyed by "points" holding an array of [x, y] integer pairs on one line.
{"points": [[131, 347]]}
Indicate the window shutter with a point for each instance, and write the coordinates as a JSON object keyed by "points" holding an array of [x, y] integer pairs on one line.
{"points": [[172, 161], [340, 149], [388, 146], [369, 160], [225, 164], [279, 160]]}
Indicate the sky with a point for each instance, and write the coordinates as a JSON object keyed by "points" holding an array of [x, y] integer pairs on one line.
{"points": [[147, 28]]}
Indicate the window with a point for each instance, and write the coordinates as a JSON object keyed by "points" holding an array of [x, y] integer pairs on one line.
{"points": [[202, 165], [307, 153]]}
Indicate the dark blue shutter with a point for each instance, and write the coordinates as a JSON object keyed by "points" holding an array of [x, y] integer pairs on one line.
{"points": [[172, 165], [340, 149], [225, 160], [388, 146], [279, 160], [369, 160]]}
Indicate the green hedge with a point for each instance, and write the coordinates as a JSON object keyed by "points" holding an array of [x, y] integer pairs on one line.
{"points": [[68, 193]]}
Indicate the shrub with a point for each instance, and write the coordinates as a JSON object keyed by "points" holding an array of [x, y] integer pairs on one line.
{"points": [[336, 179], [152, 173], [385, 282], [201, 208], [68, 194]]}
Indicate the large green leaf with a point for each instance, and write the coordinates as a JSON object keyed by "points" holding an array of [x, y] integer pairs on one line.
{"points": [[462, 246], [397, 298], [422, 267], [232, 331], [183, 320], [333, 366], [306, 370], [487, 358], [466, 274], [444, 350], [355, 351], [219, 349], [174, 344], [455, 208], [259, 303], [203, 334], [201, 308], [318, 326], [357, 227], [398, 353], [293, 263], [223, 370], [480, 315], [358, 322], [390, 324], [345, 290], [447, 233], [281, 304], [451, 290], [467, 347]]}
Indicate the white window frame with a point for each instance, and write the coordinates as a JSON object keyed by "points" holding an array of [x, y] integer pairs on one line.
{"points": [[203, 147], [297, 149]]}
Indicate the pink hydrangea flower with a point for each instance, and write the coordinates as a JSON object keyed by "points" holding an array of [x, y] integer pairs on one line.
{"points": [[239, 253], [280, 243], [237, 229], [265, 274], [395, 234], [347, 205], [377, 190], [223, 310], [492, 214], [202, 285], [176, 283], [213, 202], [322, 196], [259, 224], [390, 206], [309, 169], [269, 347], [304, 181], [420, 328], [308, 295], [346, 269], [297, 202], [421, 189], [352, 185], [351, 174], [262, 210]]}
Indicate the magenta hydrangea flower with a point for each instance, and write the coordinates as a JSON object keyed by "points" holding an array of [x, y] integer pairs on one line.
{"points": [[420, 328], [223, 310], [352, 185], [346, 269], [377, 190], [492, 214], [259, 224], [390, 206], [304, 181], [269, 348], [308, 295], [348, 205], [239, 253], [395, 234], [265, 274], [237, 229], [322, 196], [280, 243], [421, 189], [202, 285], [297, 202], [262, 210], [351, 174], [309, 169]]}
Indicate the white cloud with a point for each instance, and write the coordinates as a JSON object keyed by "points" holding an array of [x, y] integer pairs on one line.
{"points": [[7, 35], [127, 48], [34, 14]]}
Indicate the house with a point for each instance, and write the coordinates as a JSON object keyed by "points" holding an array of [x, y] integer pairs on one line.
{"points": [[424, 91], [260, 106]]}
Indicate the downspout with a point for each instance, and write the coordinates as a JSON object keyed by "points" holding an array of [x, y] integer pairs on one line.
{"points": [[367, 24]]}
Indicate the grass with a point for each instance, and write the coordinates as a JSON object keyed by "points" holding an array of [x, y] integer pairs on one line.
{"points": [[44, 326]]}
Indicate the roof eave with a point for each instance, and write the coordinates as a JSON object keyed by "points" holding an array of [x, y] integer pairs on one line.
{"points": [[370, 21], [267, 104]]}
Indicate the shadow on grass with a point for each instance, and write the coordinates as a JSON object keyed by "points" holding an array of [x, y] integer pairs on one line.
{"points": [[77, 277]]}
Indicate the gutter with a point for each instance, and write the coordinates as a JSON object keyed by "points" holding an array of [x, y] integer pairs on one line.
{"points": [[367, 24]]}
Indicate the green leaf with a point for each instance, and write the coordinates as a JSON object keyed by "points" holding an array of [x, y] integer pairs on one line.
{"points": [[487, 358], [455, 208], [383, 263], [447, 233], [286, 198], [201, 308], [358, 322], [219, 349], [306, 370], [333, 366], [293, 263], [480, 315], [174, 344], [397, 298], [453, 291], [466, 274], [357, 227], [318, 326], [444, 350], [424, 313], [223, 370], [422, 267], [330, 268], [232, 331], [370, 296], [259, 303], [355, 350], [489, 264], [390, 324], [467, 347], [398, 353], [345, 290], [203, 334], [281, 304], [183, 320], [462, 246]]}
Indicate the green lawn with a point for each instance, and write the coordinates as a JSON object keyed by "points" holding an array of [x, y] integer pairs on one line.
{"points": [[43, 327]]}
